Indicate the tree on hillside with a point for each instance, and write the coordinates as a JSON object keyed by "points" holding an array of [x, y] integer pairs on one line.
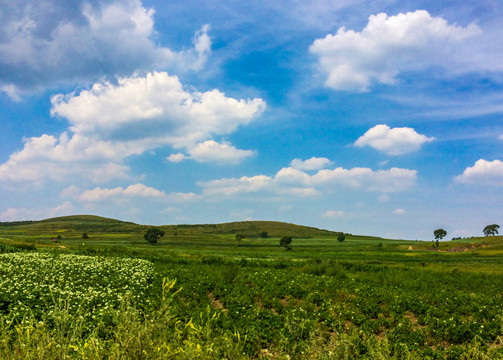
{"points": [[264, 235], [239, 237], [285, 241], [491, 230], [153, 234], [439, 234], [341, 237]]}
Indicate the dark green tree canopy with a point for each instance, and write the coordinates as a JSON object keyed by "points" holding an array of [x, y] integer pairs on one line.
{"points": [[439, 234], [285, 241], [341, 237], [491, 230], [153, 234]]}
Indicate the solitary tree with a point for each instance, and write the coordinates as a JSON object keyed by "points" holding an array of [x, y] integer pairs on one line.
{"points": [[153, 234], [85, 236], [239, 237], [264, 234], [341, 237], [439, 234], [491, 230], [285, 241]]}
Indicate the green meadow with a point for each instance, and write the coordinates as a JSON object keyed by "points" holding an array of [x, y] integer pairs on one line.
{"points": [[198, 293]]}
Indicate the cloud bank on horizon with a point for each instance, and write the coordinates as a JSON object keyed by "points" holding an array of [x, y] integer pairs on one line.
{"points": [[368, 123]]}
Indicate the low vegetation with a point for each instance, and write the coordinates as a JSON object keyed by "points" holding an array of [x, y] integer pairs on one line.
{"points": [[207, 296]]}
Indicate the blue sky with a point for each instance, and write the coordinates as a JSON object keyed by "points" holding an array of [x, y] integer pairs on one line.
{"points": [[380, 118]]}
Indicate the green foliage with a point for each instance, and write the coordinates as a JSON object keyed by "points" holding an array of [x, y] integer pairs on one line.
{"points": [[79, 283], [491, 230], [323, 301], [239, 237], [439, 234], [285, 241], [153, 234], [341, 237], [264, 235], [85, 236]]}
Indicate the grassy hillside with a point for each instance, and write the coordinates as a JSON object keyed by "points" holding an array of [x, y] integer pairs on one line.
{"points": [[79, 223], [91, 223], [200, 292], [252, 229]]}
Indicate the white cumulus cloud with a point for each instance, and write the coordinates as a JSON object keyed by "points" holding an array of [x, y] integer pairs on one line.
{"points": [[16, 214], [221, 153], [313, 163], [289, 181], [154, 107], [132, 191], [46, 43], [389, 45], [334, 214], [176, 158], [386, 181], [483, 173], [110, 122], [232, 186], [393, 141]]}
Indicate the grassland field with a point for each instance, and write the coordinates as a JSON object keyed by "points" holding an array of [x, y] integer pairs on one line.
{"points": [[200, 294]]}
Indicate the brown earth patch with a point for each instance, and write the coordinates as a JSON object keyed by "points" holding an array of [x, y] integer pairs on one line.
{"points": [[216, 304]]}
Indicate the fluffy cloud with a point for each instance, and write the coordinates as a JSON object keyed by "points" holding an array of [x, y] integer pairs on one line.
{"points": [[399, 211], [48, 42], [176, 158], [180, 197], [211, 151], [228, 187], [386, 181], [154, 107], [132, 191], [110, 122], [296, 182], [334, 214], [15, 214], [313, 163], [214, 152], [47, 157], [396, 141], [483, 173], [389, 45]]}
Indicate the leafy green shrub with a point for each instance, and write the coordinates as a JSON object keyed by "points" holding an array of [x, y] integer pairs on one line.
{"points": [[285, 241]]}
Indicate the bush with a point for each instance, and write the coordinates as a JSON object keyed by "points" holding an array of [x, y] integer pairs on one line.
{"points": [[153, 234], [285, 241]]}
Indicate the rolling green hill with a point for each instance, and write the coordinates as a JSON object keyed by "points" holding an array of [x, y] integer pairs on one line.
{"points": [[91, 223], [78, 223], [252, 229]]}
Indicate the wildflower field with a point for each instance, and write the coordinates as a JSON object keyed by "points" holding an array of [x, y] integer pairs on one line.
{"points": [[212, 298]]}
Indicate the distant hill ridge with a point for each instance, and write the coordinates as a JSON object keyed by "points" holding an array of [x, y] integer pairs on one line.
{"points": [[248, 228]]}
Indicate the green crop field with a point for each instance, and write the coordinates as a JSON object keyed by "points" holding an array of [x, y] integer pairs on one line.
{"points": [[198, 293]]}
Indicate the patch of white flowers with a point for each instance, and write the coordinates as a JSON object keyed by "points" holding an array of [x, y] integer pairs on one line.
{"points": [[32, 284]]}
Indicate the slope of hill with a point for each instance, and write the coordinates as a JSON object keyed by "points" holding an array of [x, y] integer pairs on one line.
{"points": [[91, 223], [77, 223], [252, 229]]}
